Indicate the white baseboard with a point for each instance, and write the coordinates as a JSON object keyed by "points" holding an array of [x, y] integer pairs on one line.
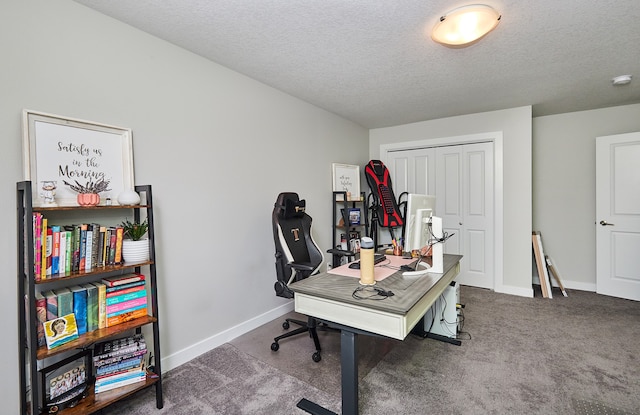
{"points": [[182, 356], [519, 291]]}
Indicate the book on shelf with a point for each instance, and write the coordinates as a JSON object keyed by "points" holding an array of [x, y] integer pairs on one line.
{"points": [[126, 295], [80, 307], [122, 279], [55, 253], [116, 365], [92, 306], [65, 301], [115, 290], [48, 252], [41, 315], [107, 361], [102, 304], [62, 251], [37, 238], [43, 249], [52, 304], [126, 316], [131, 305], [95, 232], [75, 256], [119, 238], [88, 249], [68, 252], [105, 386], [83, 247], [119, 346], [61, 330]]}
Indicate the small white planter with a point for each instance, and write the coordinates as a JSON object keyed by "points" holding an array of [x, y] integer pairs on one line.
{"points": [[135, 251]]}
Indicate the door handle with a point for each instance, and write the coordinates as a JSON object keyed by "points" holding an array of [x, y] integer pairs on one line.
{"points": [[605, 223]]}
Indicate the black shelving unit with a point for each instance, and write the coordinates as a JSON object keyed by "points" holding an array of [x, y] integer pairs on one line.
{"points": [[341, 208], [31, 357]]}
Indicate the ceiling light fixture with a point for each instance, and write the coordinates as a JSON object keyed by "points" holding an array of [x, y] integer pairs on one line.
{"points": [[465, 25]]}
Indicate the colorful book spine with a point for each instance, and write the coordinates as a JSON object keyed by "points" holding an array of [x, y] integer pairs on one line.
{"points": [[115, 309], [92, 307], [88, 257], [112, 246], [68, 253], [65, 301], [41, 315], [52, 304], [116, 299], [102, 246], [80, 307], [96, 243], [128, 316], [55, 252], [48, 252], [120, 367], [121, 289], [37, 238], [104, 387], [77, 239], [110, 359], [102, 304], [119, 237], [121, 280], [83, 247], [43, 244], [110, 290], [62, 261]]}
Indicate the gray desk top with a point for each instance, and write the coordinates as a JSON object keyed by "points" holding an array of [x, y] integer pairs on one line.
{"points": [[408, 290]]}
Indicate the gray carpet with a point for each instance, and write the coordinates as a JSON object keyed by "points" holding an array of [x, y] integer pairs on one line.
{"points": [[574, 355]]}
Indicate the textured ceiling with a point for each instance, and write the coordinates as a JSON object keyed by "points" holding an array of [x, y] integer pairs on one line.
{"points": [[373, 62]]}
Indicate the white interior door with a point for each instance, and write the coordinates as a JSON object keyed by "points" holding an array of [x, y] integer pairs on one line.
{"points": [[464, 200], [618, 216], [461, 178]]}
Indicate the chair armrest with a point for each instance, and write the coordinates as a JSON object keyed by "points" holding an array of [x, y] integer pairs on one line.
{"points": [[340, 252], [301, 267]]}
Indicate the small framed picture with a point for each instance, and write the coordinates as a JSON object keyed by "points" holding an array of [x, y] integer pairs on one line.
{"points": [[60, 330], [346, 178], [354, 216], [65, 383]]}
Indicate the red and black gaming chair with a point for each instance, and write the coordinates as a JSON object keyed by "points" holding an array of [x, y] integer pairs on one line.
{"points": [[297, 257], [385, 211]]}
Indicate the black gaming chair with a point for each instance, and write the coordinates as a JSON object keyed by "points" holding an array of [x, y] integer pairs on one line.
{"points": [[297, 257]]}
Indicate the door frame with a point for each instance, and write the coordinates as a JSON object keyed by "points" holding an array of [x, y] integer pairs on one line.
{"points": [[496, 137]]}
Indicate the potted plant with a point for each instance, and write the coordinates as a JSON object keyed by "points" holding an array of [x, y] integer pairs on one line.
{"points": [[134, 248], [89, 193]]}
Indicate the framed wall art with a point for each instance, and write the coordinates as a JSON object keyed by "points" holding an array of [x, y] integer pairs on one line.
{"points": [[346, 178], [59, 149]]}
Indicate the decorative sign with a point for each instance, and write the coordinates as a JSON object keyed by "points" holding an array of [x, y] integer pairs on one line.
{"points": [[346, 178], [59, 150]]}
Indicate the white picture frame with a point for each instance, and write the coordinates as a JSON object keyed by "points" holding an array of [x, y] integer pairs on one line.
{"points": [[57, 148], [346, 178]]}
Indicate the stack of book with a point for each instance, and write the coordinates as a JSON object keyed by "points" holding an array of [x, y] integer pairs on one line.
{"points": [[119, 362], [126, 298]]}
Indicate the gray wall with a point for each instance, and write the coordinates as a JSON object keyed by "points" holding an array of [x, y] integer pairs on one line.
{"points": [[564, 193], [216, 146]]}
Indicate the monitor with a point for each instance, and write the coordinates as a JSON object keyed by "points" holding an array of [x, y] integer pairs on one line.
{"points": [[420, 209]]}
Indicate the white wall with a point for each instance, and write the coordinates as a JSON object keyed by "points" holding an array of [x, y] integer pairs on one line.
{"points": [[216, 146], [515, 124], [564, 193]]}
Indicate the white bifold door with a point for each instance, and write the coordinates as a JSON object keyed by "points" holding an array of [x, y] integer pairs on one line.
{"points": [[461, 178]]}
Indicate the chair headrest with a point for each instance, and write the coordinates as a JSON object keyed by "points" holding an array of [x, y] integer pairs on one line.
{"points": [[293, 209], [288, 206]]}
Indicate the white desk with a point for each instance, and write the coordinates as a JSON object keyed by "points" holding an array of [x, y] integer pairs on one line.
{"points": [[329, 298]]}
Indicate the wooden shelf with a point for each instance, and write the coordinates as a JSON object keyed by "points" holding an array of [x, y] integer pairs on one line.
{"points": [[99, 207], [109, 269], [95, 402], [87, 339]]}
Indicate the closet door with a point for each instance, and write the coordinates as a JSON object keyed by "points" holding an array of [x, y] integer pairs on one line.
{"points": [[464, 200], [412, 171]]}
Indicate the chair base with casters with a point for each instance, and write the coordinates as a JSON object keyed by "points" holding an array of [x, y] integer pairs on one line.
{"points": [[297, 257], [309, 326]]}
